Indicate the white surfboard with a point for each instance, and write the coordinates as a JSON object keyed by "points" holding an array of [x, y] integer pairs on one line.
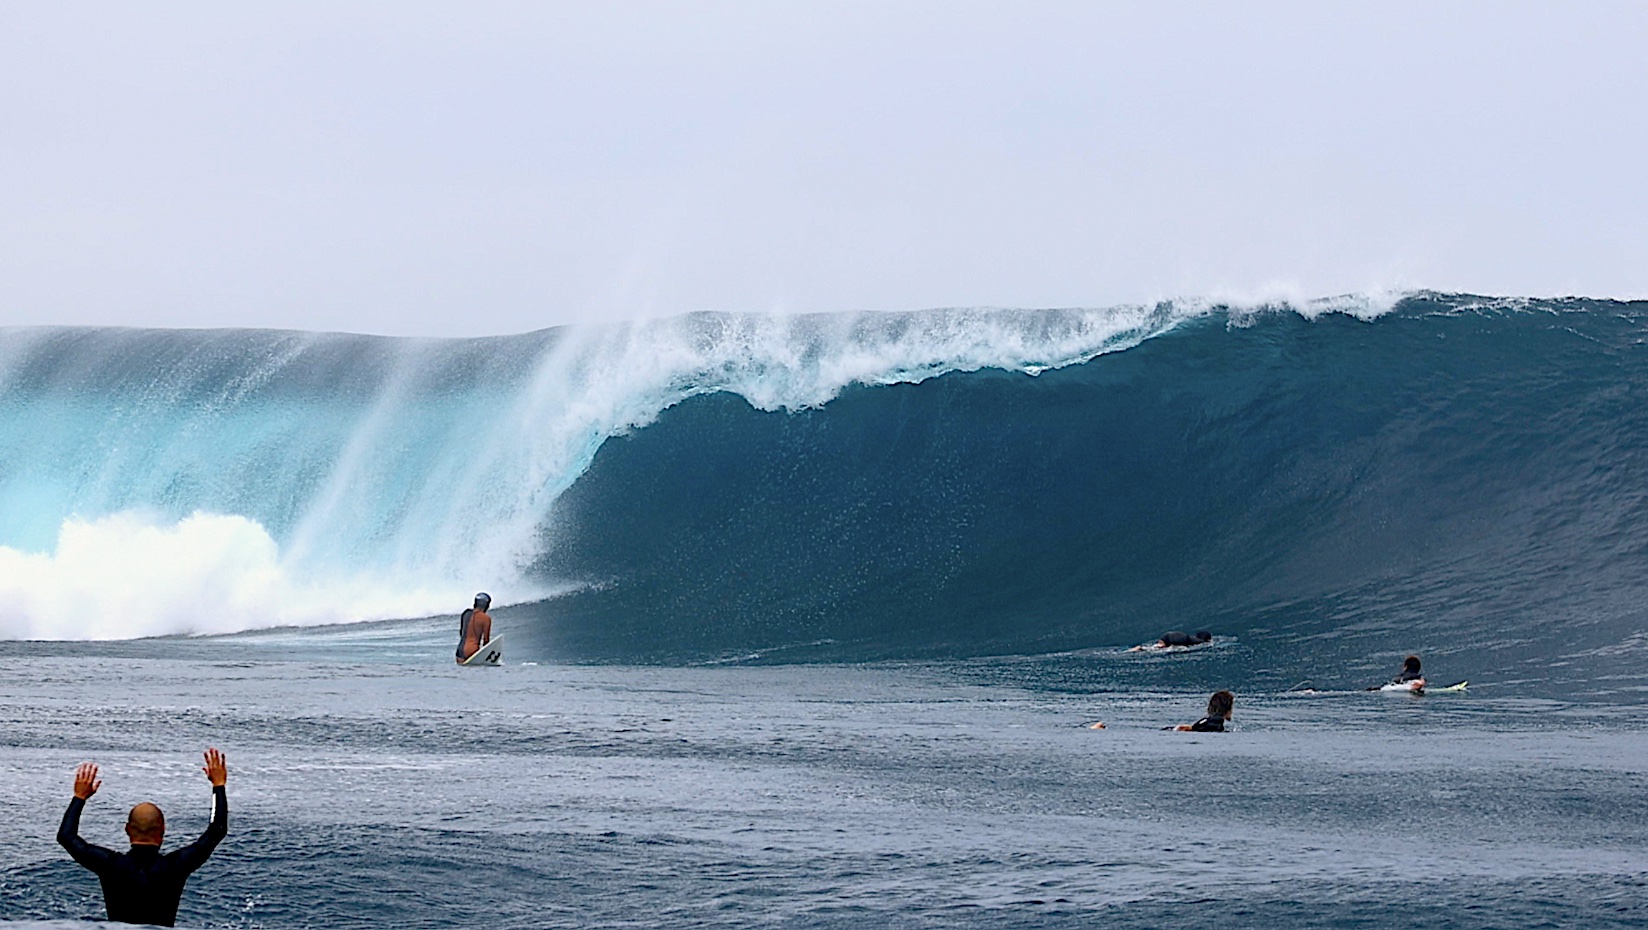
{"points": [[490, 654], [1158, 647], [1419, 687]]}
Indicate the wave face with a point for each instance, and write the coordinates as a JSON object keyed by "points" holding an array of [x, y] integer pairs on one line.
{"points": [[1448, 472], [1458, 476]]}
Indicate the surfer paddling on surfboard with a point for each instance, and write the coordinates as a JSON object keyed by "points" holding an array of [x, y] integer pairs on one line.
{"points": [[1409, 679], [1175, 639], [1410, 674], [474, 628]]}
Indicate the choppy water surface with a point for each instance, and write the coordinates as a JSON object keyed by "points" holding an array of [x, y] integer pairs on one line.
{"points": [[390, 789]]}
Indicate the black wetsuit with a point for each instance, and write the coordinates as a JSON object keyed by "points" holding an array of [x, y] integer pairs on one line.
{"points": [[143, 886], [1208, 724], [1407, 676], [463, 631], [1176, 638]]}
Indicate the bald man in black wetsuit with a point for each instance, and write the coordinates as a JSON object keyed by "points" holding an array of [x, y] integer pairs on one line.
{"points": [[141, 886]]}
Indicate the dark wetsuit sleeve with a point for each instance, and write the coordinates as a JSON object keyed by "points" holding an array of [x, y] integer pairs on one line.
{"points": [[68, 836], [1209, 725], [192, 856]]}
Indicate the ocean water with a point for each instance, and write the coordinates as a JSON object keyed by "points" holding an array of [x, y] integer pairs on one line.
{"points": [[388, 788], [807, 617]]}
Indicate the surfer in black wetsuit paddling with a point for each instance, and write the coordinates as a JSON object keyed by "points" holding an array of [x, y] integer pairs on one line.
{"points": [[474, 627], [1220, 707], [1176, 638], [141, 886]]}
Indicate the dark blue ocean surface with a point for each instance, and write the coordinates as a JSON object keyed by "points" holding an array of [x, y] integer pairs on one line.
{"points": [[387, 788]]}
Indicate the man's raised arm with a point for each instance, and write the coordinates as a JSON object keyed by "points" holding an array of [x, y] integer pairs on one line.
{"points": [[86, 784], [217, 772]]}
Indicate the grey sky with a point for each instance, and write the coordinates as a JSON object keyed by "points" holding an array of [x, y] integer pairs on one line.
{"points": [[463, 168]]}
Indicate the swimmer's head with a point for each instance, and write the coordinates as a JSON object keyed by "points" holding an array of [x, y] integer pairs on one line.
{"points": [[146, 825], [1410, 664], [1221, 704], [1204, 636], [483, 601]]}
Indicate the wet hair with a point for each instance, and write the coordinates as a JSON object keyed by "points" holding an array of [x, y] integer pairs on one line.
{"points": [[1411, 662], [1220, 703], [1204, 635]]}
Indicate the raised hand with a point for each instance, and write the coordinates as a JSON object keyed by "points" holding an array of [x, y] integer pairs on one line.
{"points": [[86, 782], [216, 769]]}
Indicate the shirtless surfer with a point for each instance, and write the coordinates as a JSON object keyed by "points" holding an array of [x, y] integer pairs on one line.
{"points": [[474, 627]]}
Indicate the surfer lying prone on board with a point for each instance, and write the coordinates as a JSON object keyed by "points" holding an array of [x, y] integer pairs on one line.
{"points": [[1174, 638], [1220, 708], [1410, 678], [474, 627]]}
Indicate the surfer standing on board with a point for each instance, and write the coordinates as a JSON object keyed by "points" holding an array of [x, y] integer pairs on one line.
{"points": [[474, 627], [141, 886]]}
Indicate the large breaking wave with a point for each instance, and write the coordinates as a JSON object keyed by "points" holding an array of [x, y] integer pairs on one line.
{"points": [[1456, 476], [1441, 471], [210, 481]]}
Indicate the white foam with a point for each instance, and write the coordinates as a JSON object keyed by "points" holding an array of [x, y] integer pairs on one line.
{"points": [[129, 575]]}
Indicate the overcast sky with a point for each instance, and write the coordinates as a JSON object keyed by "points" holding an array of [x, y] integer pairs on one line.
{"points": [[469, 168]]}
